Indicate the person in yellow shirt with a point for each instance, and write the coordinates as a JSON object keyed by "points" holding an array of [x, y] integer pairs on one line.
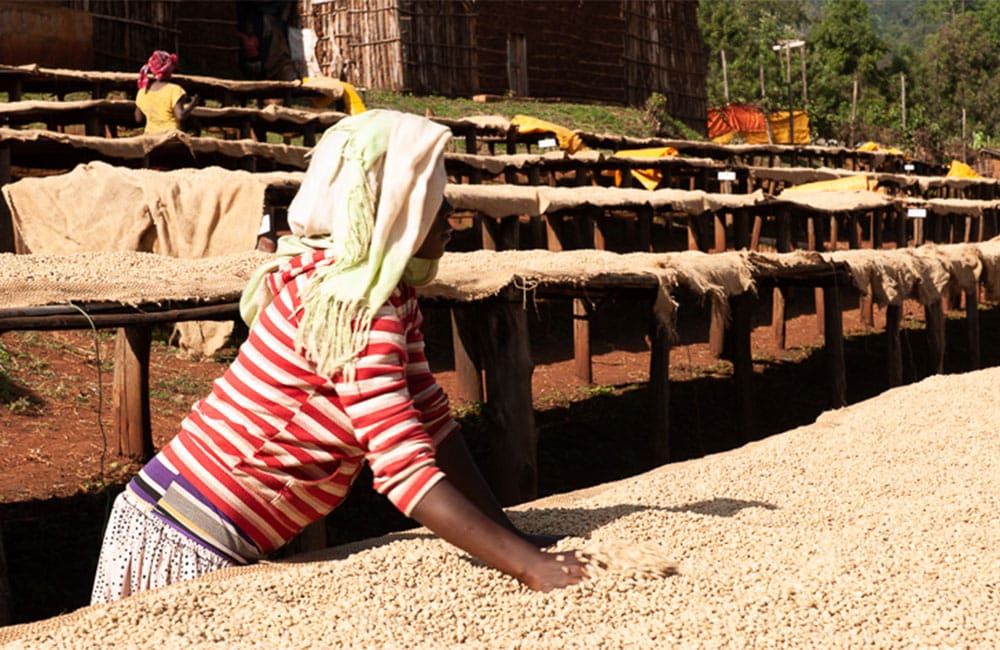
{"points": [[160, 103]]}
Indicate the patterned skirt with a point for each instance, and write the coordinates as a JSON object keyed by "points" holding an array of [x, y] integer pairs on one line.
{"points": [[141, 551]]}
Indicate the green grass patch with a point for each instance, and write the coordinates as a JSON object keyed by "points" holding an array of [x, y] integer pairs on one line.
{"points": [[591, 118]]}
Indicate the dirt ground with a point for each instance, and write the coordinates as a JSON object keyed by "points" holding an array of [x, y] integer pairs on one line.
{"points": [[59, 470]]}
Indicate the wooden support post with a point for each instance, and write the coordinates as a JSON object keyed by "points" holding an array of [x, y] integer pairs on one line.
{"points": [[309, 135], [834, 343], [502, 234], [488, 227], [918, 232], [553, 232], [741, 229], [644, 219], [716, 332], [582, 366], [692, 232], [866, 311], [6, 221], [814, 243], [893, 321], [594, 220], [972, 323], [659, 390], [877, 224], [5, 599], [783, 236], [778, 330], [506, 358], [719, 227], [758, 224], [512, 140], [741, 307], [537, 233], [469, 376], [93, 126], [900, 227], [131, 392], [934, 322], [783, 242], [853, 232]]}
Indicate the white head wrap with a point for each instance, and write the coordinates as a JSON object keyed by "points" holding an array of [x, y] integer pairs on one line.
{"points": [[373, 188]]}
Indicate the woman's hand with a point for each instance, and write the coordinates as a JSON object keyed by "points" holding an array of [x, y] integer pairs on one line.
{"points": [[454, 518], [554, 570]]}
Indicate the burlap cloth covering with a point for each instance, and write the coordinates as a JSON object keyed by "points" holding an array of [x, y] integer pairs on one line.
{"points": [[888, 276], [186, 213]]}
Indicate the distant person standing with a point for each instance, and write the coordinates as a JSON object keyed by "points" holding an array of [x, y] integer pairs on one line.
{"points": [[250, 61], [159, 103]]}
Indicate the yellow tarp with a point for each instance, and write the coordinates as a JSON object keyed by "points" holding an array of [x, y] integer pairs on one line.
{"points": [[353, 103], [726, 138], [650, 178], [959, 169], [874, 146], [847, 183], [569, 141], [779, 129]]}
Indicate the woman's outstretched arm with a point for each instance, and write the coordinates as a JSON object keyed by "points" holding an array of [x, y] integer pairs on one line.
{"points": [[454, 518]]}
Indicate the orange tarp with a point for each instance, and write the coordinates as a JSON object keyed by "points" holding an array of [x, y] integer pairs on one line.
{"points": [[749, 123]]}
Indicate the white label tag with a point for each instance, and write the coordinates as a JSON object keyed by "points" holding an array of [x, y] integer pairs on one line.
{"points": [[727, 176], [547, 143], [909, 167], [265, 224], [916, 213]]}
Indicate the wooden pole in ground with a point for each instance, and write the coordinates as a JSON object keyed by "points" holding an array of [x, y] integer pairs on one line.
{"points": [[469, 377], [5, 604], [893, 320], [644, 229], [6, 222], [833, 335], [972, 323], [659, 390], [506, 358], [742, 307], [725, 76], [582, 367], [934, 321], [741, 229], [784, 245], [814, 243], [131, 392]]}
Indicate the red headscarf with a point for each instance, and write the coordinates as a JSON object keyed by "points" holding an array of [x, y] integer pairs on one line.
{"points": [[160, 65]]}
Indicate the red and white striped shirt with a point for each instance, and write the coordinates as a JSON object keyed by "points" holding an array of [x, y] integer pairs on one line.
{"points": [[275, 446]]}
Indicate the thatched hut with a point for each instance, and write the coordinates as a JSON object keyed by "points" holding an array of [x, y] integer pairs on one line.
{"points": [[616, 51]]}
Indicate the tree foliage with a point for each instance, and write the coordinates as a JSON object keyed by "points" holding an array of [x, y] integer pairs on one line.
{"points": [[960, 67], [844, 49], [746, 30], [946, 52]]}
